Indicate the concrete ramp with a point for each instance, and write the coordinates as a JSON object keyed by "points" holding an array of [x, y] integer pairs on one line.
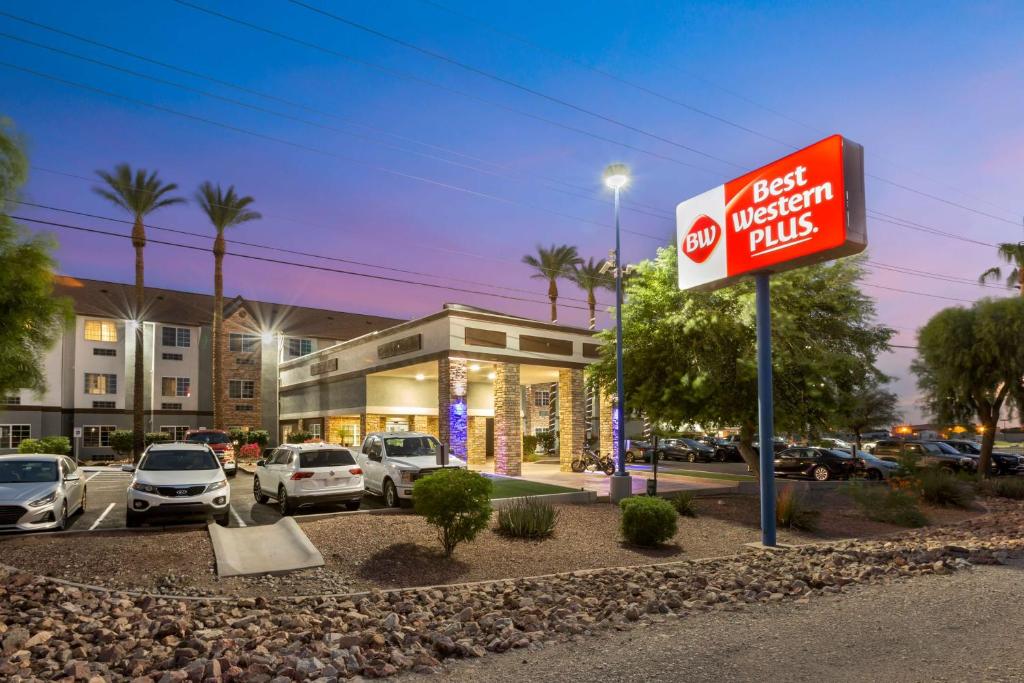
{"points": [[269, 549]]}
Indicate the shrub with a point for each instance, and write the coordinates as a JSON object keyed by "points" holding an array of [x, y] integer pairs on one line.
{"points": [[1004, 487], [250, 451], [156, 437], [527, 518], [939, 487], [648, 521], [792, 512], [884, 504], [532, 456], [456, 501], [299, 437], [685, 504], [546, 440], [260, 437], [238, 436], [121, 441], [30, 446], [529, 444]]}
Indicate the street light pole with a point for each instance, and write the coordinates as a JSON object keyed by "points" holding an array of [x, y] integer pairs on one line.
{"points": [[616, 176]]}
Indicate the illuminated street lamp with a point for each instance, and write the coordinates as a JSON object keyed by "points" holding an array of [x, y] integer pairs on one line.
{"points": [[616, 177]]}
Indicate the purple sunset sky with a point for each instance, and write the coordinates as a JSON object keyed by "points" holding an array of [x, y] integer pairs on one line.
{"points": [[934, 92]]}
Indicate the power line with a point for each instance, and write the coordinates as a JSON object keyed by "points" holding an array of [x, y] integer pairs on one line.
{"points": [[907, 291]]}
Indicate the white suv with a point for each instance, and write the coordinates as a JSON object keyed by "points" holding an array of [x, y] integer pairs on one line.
{"points": [[305, 474], [392, 461], [178, 480]]}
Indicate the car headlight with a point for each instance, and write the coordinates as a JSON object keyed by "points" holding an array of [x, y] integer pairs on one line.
{"points": [[217, 485], [45, 500], [145, 488], [405, 476]]}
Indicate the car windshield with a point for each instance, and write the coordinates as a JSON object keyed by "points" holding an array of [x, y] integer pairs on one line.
{"points": [[693, 444], [209, 437], [946, 448], [966, 447], [933, 448], [27, 471], [175, 461], [399, 446], [334, 458]]}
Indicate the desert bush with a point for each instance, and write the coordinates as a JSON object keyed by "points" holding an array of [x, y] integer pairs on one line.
{"points": [[939, 487], [527, 518], [1004, 487], [885, 504], [121, 441], [456, 501], [685, 504], [54, 445], [529, 443], [648, 521], [793, 512]]}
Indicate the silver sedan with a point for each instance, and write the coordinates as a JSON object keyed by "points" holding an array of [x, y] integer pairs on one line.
{"points": [[39, 492]]}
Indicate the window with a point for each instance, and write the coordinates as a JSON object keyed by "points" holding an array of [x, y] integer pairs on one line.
{"points": [[104, 352], [314, 430], [11, 400], [177, 432], [243, 343], [104, 404], [97, 436], [541, 397], [177, 336], [12, 435], [175, 386], [170, 406], [244, 408], [100, 330], [299, 347], [172, 356], [241, 388], [100, 383], [349, 435]]}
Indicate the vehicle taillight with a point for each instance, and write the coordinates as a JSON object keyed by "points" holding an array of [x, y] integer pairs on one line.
{"points": [[301, 475], [355, 471]]}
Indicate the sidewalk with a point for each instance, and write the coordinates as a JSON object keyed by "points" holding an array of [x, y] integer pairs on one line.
{"points": [[600, 482]]}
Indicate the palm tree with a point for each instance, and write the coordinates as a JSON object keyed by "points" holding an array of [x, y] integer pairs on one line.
{"points": [[552, 264], [224, 209], [1013, 254], [139, 194], [589, 278]]}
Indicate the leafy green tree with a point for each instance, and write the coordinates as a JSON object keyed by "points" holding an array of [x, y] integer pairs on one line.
{"points": [[225, 210], [588, 277], [456, 501], [866, 406], [1011, 253], [33, 318], [970, 363], [139, 195], [552, 264], [689, 357]]}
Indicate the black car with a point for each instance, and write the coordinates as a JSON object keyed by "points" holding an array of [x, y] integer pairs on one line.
{"points": [[1002, 463], [728, 450], [685, 449], [820, 464], [925, 454]]}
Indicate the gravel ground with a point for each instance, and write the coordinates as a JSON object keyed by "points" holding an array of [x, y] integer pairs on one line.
{"points": [[959, 627]]}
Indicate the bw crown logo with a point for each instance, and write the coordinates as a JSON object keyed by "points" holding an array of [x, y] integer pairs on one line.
{"points": [[701, 239]]}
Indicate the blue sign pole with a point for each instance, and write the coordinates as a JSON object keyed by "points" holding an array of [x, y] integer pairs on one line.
{"points": [[765, 408]]}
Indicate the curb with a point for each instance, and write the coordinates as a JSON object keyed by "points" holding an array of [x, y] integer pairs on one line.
{"points": [[582, 497]]}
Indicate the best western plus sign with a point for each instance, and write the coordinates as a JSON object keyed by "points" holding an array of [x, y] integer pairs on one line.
{"points": [[804, 208]]}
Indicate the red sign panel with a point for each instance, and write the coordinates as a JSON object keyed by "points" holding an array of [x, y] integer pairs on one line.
{"points": [[804, 208]]}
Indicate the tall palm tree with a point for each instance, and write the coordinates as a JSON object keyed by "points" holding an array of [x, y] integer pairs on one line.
{"points": [[552, 264], [589, 278], [225, 210], [138, 194], [1013, 254]]}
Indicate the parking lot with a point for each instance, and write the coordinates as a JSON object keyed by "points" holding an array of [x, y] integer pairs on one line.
{"points": [[106, 502]]}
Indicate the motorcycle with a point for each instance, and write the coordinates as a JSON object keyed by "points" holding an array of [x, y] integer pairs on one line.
{"points": [[589, 461]]}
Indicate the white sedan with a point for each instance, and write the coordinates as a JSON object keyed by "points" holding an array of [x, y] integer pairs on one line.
{"points": [[39, 492]]}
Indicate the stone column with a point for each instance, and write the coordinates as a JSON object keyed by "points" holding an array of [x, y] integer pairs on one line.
{"points": [[477, 442], [452, 409], [420, 423], [571, 416], [508, 425], [606, 432]]}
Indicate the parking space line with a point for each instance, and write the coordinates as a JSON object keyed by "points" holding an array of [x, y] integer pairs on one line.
{"points": [[100, 518], [238, 517]]}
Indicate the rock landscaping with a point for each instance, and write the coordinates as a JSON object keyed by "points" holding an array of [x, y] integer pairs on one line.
{"points": [[53, 631]]}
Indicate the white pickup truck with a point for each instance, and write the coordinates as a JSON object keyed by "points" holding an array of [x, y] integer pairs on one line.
{"points": [[392, 461]]}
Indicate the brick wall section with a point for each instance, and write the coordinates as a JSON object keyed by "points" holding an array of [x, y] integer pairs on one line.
{"points": [[426, 424], [572, 416], [508, 434], [374, 423], [242, 323], [476, 447], [532, 413], [606, 437], [452, 409]]}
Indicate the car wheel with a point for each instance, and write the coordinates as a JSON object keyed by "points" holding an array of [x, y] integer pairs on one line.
{"points": [[232, 473], [821, 473], [223, 520], [81, 505], [352, 505], [391, 494], [691, 456], [873, 475], [132, 519], [630, 457], [62, 523], [284, 504], [257, 492]]}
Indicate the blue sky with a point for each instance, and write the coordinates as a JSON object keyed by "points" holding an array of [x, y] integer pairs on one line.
{"points": [[378, 166]]}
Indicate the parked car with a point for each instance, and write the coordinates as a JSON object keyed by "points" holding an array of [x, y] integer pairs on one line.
{"points": [[820, 464], [685, 449], [835, 443], [875, 468], [177, 481], [307, 474], [639, 451], [926, 454], [392, 461], [39, 492], [727, 450], [220, 442], [1002, 463]]}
